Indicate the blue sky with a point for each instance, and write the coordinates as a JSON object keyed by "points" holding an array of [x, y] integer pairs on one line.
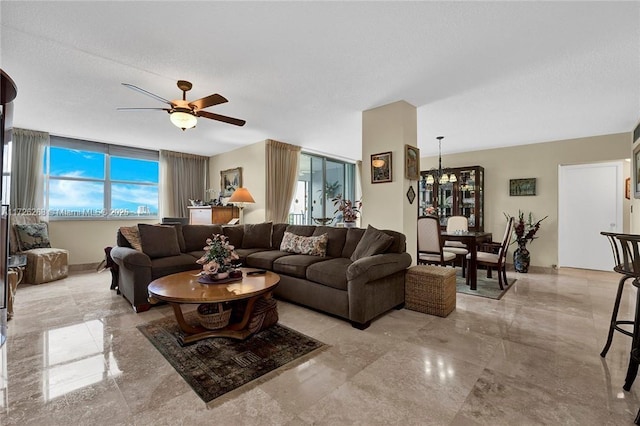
{"points": [[86, 196]]}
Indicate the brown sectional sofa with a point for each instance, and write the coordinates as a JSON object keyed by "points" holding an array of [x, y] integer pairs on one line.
{"points": [[354, 281]]}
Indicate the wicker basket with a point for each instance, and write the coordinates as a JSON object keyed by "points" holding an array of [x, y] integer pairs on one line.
{"points": [[431, 290], [213, 315]]}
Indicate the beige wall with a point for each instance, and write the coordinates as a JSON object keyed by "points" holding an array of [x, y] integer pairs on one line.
{"points": [[539, 161], [252, 159], [86, 239], [385, 205]]}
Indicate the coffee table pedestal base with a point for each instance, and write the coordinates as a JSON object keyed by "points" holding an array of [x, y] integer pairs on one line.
{"points": [[258, 313]]}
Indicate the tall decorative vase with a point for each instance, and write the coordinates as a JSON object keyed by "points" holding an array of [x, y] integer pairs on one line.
{"points": [[521, 258]]}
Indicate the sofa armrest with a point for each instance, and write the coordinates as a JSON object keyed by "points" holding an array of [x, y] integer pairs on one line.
{"points": [[129, 258], [378, 266]]}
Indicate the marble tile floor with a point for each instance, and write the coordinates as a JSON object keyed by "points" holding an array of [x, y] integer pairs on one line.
{"points": [[75, 357]]}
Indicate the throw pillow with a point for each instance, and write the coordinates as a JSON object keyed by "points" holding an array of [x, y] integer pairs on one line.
{"points": [[373, 242], [159, 240], [132, 235], [32, 235], [289, 242], [257, 235], [314, 246]]}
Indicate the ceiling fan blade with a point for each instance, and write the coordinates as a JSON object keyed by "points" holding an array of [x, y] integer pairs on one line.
{"points": [[144, 92], [143, 109], [208, 101], [223, 118]]}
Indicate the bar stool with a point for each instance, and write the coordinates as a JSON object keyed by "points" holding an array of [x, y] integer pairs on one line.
{"points": [[619, 267], [630, 250]]}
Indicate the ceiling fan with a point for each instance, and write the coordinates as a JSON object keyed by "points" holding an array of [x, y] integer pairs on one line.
{"points": [[183, 114]]}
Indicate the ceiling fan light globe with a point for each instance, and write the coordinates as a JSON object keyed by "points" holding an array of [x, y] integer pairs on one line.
{"points": [[183, 120]]}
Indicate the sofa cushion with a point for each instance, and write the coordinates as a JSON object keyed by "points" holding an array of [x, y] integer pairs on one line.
{"points": [[351, 242], [372, 242], [399, 244], [168, 265], [337, 237], [195, 236], [264, 259], [234, 234], [158, 240], [32, 236], [304, 230], [314, 246], [243, 253], [180, 235], [277, 233], [257, 235], [295, 264], [132, 235], [332, 273]]}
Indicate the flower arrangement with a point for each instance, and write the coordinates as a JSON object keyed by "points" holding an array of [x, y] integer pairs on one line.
{"points": [[430, 211], [349, 212], [525, 230], [218, 255]]}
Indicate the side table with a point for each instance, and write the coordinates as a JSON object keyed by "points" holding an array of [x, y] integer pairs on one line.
{"points": [[15, 273]]}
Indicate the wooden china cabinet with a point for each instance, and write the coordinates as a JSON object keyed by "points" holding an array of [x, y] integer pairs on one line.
{"points": [[465, 197]]}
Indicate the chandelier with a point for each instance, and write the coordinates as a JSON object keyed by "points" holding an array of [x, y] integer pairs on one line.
{"points": [[439, 174]]}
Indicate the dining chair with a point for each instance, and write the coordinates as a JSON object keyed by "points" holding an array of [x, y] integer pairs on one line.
{"points": [[430, 243], [497, 258], [458, 223]]}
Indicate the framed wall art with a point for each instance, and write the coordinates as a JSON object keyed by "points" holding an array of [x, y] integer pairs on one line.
{"points": [[230, 180], [381, 167], [411, 162], [519, 187]]}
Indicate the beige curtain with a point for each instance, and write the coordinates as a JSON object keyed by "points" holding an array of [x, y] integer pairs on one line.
{"points": [[27, 176], [182, 177], [282, 173]]}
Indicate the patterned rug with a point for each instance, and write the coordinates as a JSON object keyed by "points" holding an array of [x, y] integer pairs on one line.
{"points": [[215, 366], [486, 287]]}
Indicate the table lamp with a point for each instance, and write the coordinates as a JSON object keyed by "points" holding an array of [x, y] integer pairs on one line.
{"points": [[241, 196]]}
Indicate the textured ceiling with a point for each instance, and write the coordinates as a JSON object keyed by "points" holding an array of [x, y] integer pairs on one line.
{"points": [[483, 74]]}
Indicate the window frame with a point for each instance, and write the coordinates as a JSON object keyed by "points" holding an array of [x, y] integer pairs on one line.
{"points": [[109, 151]]}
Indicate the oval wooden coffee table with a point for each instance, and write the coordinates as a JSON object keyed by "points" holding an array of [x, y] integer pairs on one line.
{"points": [[253, 307]]}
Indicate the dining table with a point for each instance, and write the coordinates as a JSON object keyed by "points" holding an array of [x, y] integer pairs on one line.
{"points": [[472, 239]]}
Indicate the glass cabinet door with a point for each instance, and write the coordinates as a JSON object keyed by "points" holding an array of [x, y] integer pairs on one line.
{"points": [[467, 200], [464, 197], [445, 202]]}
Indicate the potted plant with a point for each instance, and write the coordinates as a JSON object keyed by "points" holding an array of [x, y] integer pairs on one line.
{"points": [[525, 231], [348, 210]]}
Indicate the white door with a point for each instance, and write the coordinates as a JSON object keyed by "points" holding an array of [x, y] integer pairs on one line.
{"points": [[590, 201]]}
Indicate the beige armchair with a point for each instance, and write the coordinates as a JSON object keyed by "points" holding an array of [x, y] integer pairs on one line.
{"points": [[29, 236]]}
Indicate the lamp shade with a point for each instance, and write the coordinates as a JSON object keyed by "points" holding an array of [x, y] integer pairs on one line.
{"points": [[184, 120], [241, 195]]}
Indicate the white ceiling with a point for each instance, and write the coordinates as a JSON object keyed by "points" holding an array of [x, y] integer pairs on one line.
{"points": [[483, 74]]}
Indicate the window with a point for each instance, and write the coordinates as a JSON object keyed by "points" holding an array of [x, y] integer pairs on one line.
{"points": [[320, 180], [92, 180]]}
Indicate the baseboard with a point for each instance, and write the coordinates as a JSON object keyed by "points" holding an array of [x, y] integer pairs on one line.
{"points": [[83, 267], [536, 269]]}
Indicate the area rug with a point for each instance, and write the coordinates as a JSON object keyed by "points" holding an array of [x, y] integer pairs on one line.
{"points": [[487, 287], [215, 366]]}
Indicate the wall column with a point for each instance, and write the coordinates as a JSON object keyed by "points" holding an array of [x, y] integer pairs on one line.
{"points": [[385, 205]]}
